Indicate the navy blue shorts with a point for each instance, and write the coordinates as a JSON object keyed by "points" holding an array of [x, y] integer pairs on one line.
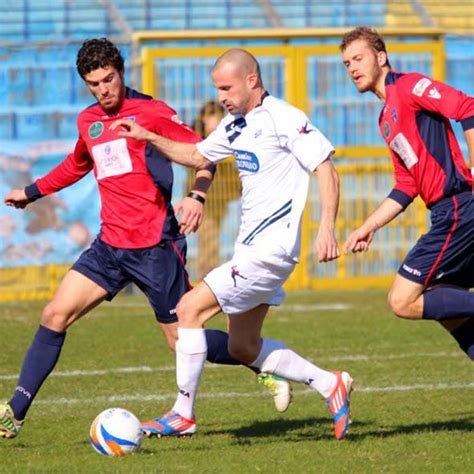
{"points": [[445, 255], [158, 271]]}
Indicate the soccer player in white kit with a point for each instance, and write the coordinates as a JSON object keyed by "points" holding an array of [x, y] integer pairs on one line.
{"points": [[276, 149]]}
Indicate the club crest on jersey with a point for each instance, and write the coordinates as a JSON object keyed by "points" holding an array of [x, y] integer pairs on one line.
{"points": [[246, 161], [96, 129], [386, 129], [305, 130]]}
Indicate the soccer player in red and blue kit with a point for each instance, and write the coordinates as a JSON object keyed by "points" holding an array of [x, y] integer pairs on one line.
{"points": [[434, 279], [140, 240]]}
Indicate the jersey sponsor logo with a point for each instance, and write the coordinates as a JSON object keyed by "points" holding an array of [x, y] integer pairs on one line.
{"points": [[434, 93], [386, 129], [421, 86], [112, 158], [403, 149], [96, 129], [234, 273], [246, 161]]}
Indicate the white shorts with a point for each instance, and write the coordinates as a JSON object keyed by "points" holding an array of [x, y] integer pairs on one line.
{"points": [[253, 276]]}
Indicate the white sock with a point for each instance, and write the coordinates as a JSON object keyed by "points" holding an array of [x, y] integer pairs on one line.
{"points": [[191, 353], [276, 358]]}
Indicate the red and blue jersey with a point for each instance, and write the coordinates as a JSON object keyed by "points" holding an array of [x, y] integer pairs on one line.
{"points": [[135, 181], [415, 125]]}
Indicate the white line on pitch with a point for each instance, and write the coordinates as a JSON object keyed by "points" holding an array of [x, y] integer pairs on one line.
{"points": [[317, 358], [223, 395], [285, 307]]}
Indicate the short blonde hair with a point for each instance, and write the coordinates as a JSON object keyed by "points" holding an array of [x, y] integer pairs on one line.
{"points": [[370, 35]]}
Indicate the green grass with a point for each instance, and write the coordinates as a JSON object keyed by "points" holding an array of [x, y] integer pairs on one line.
{"points": [[413, 408]]}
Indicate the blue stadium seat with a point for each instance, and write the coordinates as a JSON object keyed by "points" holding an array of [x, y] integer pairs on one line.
{"points": [[7, 125], [33, 125], [66, 123]]}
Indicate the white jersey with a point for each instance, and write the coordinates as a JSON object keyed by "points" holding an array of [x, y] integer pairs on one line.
{"points": [[276, 148]]}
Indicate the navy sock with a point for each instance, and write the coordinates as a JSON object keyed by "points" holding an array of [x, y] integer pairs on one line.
{"points": [[39, 361], [217, 351], [447, 303], [464, 336]]}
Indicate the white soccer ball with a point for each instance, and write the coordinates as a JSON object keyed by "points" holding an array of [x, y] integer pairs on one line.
{"points": [[116, 432]]}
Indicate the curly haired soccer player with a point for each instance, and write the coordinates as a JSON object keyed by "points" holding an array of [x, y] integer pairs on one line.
{"points": [[140, 239], [276, 149], [433, 280]]}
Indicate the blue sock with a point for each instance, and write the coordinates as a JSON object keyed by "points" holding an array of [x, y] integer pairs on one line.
{"points": [[464, 336], [447, 303], [39, 361], [217, 351]]}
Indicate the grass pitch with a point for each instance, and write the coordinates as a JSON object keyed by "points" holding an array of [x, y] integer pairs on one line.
{"points": [[413, 408]]}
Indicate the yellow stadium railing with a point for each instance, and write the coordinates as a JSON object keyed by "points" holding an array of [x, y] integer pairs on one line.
{"points": [[364, 167], [366, 163], [30, 282]]}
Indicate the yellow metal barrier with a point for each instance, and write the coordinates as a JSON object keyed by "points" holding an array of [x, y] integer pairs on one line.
{"points": [[290, 70], [363, 186], [364, 169], [30, 282]]}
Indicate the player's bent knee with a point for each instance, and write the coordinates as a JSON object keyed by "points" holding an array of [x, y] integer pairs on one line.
{"points": [[186, 311], [53, 318], [244, 354], [399, 305]]}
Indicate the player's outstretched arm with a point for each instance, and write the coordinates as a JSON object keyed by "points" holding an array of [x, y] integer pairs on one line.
{"points": [[182, 153], [326, 246], [361, 238], [16, 198]]}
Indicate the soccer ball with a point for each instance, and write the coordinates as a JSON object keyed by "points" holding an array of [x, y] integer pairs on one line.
{"points": [[116, 432]]}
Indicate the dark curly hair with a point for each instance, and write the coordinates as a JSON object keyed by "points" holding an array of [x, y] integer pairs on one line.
{"points": [[98, 53]]}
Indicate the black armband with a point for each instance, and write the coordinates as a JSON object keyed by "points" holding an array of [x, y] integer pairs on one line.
{"points": [[202, 184], [197, 197]]}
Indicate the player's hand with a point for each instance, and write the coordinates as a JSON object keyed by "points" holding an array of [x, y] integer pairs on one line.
{"points": [[358, 241], [190, 214], [16, 198], [130, 129], [326, 246]]}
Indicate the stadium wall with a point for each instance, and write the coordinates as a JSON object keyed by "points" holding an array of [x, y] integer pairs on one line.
{"points": [[302, 66]]}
